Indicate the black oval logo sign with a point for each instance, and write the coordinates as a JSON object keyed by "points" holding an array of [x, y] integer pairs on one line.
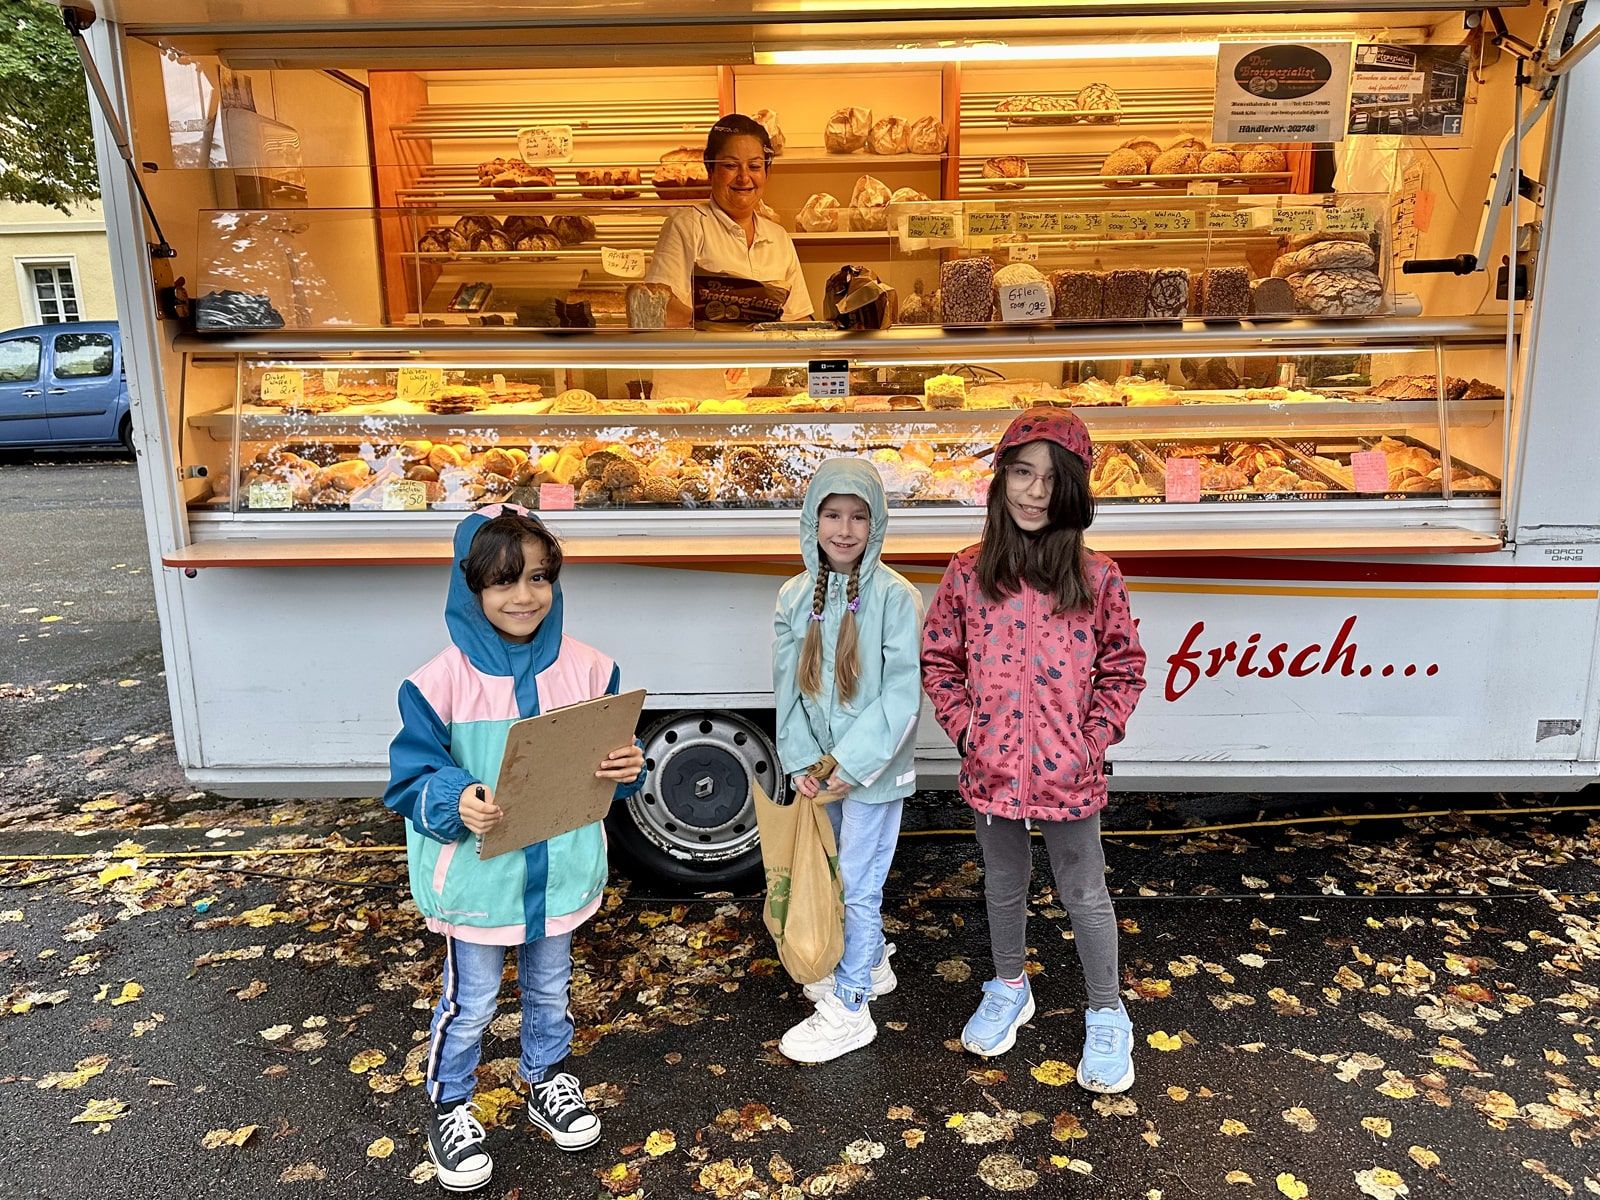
{"points": [[1283, 72]]}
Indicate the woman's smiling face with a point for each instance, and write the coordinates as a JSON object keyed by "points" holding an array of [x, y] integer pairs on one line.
{"points": [[739, 176]]}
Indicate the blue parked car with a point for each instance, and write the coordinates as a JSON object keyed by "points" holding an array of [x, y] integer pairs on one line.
{"points": [[63, 386]]}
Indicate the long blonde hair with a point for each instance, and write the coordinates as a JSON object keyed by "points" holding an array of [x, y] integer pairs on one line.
{"points": [[846, 653]]}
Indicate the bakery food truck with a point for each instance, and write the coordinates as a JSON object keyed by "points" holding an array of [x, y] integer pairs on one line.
{"points": [[1319, 282]]}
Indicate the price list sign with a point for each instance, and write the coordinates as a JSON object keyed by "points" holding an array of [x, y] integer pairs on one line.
{"points": [[1039, 224], [418, 385], [545, 144], [282, 387], [1021, 302]]}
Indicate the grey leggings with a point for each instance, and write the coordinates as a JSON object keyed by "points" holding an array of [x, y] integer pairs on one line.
{"points": [[1079, 865]]}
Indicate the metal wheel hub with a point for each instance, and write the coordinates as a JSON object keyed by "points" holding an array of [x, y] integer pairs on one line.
{"points": [[697, 801]]}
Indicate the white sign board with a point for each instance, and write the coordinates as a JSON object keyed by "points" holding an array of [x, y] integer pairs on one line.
{"points": [[1281, 92]]}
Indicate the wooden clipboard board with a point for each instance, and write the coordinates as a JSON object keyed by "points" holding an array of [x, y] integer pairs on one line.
{"points": [[547, 785]]}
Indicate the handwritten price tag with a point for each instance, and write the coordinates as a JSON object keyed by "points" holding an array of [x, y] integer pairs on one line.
{"points": [[1183, 481], [266, 494], [405, 495], [624, 264], [1092, 223], [282, 387], [1038, 222], [1127, 222], [418, 385], [1025, 302], [1225, 221], [556, 496], [545, 144], [990, 224], [1347, 220], [933, 226], [1022, 252], [1371, 469], [1294, 220], [1172, 220]]}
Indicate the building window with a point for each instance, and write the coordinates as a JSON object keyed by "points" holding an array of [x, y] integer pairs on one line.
{"points": [[55, 291]]}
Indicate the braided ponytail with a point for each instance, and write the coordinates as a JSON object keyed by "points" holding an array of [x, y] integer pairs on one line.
{"points": [[846, 652], [811, 647]]}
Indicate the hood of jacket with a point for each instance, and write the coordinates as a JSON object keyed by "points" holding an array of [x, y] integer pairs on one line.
{"points": [[845, 477], [471, 631], [1049, 425]]}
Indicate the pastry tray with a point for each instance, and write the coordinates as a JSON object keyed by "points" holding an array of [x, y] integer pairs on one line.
{"points": [[1340, 449], [1153, 477], [1153, 454]]}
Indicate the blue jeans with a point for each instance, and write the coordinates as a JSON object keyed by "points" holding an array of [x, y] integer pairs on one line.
{"points": [[472, 974], [866, 834]]}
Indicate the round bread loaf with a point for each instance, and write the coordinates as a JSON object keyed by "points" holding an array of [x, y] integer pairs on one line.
{"points": [[1099, 104], [847, 130], [820, 214], [888, 136], [926, 136], [1126, 162], [1180, 160], [1004, 172], [1324, 256], [1338, 293], [1220, 162], [1261, 160]]}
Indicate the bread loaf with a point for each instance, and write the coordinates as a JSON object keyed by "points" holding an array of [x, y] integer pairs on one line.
{"points": [[1227, 292], [1125, 162], [1079, 295], [1322, 256], [888, 136], [869, 204], [1220, 162], [820, 214], [847, 130], [572, 230], [1004, 172], [609, 183], [1180, 160], [1271, 298], [768, 120], [1127, 295], [647, 305], [1099, 104], [1261, 160], [926, 136], [1338, 293], [908, 195], [1169, 293], [966, 286]]}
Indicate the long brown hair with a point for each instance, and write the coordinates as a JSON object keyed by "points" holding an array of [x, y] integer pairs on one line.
{"points": [[846, 653], [1052, 560]]}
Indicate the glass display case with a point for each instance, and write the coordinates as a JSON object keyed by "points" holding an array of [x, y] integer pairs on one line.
{"points": [[1392, 413]]}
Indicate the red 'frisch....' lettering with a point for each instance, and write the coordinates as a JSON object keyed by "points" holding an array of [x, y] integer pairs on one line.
{"points": [[1190, 664]]}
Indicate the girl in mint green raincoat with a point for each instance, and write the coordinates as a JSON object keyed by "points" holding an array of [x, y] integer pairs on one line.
{"points": [[847, 679]]}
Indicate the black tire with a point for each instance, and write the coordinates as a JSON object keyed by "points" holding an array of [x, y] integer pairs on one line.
{"points": [[693, 824], [125, 434]]}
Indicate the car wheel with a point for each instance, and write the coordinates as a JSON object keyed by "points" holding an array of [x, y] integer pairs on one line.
{"points": [[125, 434], [694, 821]]}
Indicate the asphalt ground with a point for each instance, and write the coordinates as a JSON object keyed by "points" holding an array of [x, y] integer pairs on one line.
{"points": [[228, 997]]}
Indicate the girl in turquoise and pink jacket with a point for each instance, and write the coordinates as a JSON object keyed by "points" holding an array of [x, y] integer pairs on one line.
{"points": [[1032, 663]]}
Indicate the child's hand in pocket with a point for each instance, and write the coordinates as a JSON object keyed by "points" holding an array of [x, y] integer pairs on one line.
{"points": [[622, 766], [479, 812]]}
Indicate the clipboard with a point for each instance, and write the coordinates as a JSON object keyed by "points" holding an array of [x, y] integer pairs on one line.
{"points": [[547, 785]]}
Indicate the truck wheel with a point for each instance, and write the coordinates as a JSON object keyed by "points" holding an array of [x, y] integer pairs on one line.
{"points": [[694, 821]]}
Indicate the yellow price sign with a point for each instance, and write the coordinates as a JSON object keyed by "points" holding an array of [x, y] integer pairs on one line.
{"points": [[1092, 223], [1172, 220], [1038, 222], [1225, 220], [990, 224], [933, 226], [1347, 220], [1128, 222], [405, 495], [282, 387], [1294, 220], [418, 384]]}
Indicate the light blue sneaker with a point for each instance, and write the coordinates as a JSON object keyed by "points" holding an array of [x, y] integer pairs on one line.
{"points": [[1004, 1010], [1107, 1062]]}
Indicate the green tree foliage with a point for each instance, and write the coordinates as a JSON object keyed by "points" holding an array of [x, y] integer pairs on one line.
{"points": [[46, 144]]}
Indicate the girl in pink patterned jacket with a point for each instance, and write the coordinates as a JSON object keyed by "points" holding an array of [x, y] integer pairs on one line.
{"points": [[1033, 665]]}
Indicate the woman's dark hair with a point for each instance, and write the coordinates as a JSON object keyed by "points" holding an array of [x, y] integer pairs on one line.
{"points": [[1051, 560], [496, 558], [729, 127]]}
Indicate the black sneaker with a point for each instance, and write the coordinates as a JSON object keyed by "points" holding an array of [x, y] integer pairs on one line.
{"points": [[455, 1143], [556, 1106]]}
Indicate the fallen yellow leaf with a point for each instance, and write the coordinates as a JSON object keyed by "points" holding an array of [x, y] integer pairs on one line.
{"points": [[913, 1137], [1162, 1040], [662, 1141], [382, 1148], [131, 991], [366, 1061], [219, 1138], [1292, 1187], [1178, 1093], [97, 1111], [1233, 1128], [1240, 1177], [1378, 1125], [83, 1070], [117, 870], [1423, 1157], [1054, 1073]]}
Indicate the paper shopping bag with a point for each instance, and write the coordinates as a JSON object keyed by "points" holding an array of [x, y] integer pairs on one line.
{"points": [[805, 898]]}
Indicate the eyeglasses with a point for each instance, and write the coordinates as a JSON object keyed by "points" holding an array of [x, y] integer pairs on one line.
{"points": [[756, 166], [1022, 476]]}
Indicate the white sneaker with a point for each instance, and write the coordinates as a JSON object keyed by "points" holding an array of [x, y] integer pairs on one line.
{"points": [[883, 980], [830, 1031]]}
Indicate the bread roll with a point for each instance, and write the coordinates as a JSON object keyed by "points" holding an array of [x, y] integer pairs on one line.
{"points": [[1143, 147], [571, 230], [1261, 160], [1125, 162], [1180, 160], [1220, 162], [820, 214], [847, 130], [927, 136], [888, 136]]}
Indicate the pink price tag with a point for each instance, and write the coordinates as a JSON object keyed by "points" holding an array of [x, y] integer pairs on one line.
{"points": [[555, 496], [1371, 470], [1183, 481]]}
